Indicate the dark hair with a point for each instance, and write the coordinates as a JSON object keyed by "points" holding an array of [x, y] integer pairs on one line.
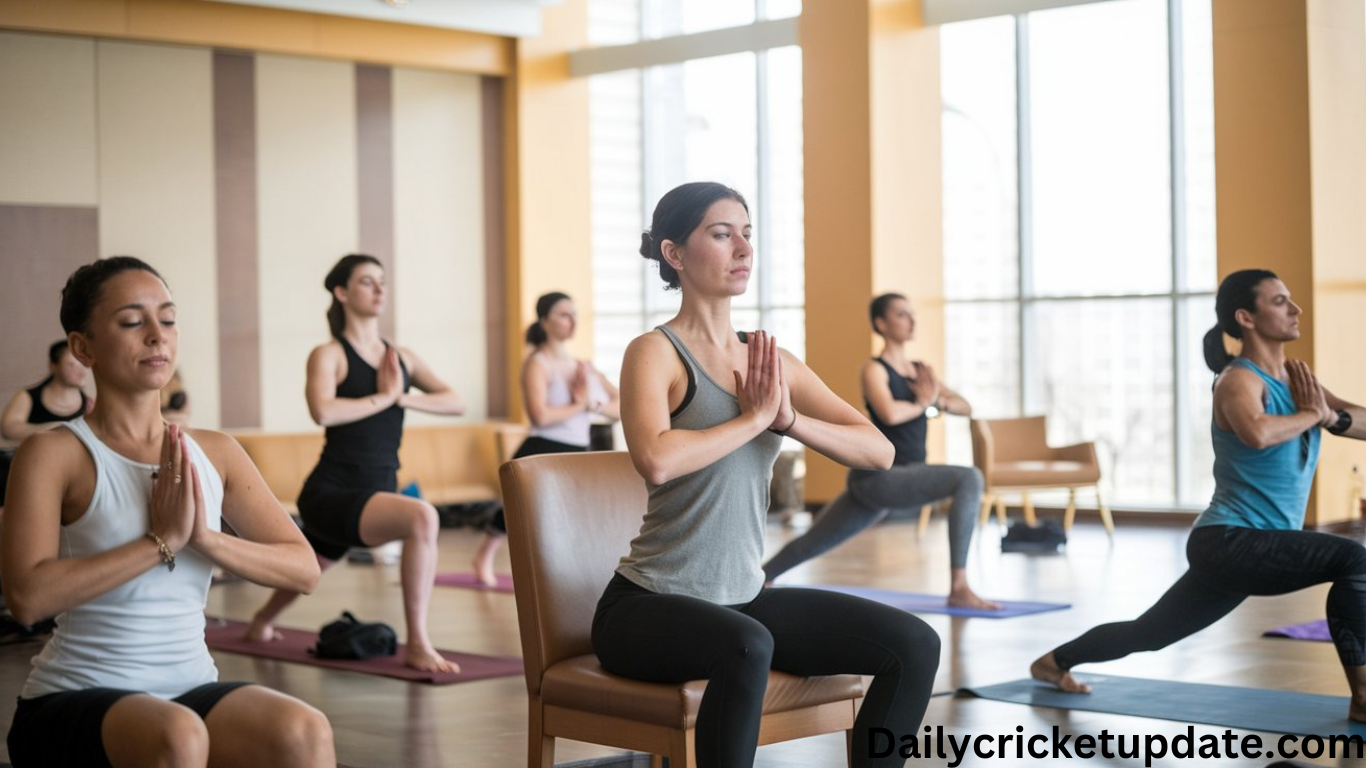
{"points": [[677, 214], [338, 278], [83, 288], [878, 308], [1237, 291], [56, 350], [535, 334]]}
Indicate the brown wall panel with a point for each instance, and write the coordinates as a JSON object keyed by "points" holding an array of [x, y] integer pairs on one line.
{"points": [[375, 176], [495, 252]]}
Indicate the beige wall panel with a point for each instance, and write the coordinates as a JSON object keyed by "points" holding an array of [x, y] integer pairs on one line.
{"points": [[156, 191], [1337, 125], [438, 228], [307, 212], [47, 119]]}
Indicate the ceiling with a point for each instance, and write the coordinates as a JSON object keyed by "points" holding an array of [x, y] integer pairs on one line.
{"points": [[510, 18]]}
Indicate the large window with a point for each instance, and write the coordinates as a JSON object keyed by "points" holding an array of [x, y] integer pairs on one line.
{"points": [[1079, 233], [733, 118]]}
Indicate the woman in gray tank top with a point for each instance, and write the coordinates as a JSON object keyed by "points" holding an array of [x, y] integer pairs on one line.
{"points": [[704, 410], [114, 527]]}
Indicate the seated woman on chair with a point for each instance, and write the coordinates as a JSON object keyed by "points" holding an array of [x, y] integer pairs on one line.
{"points": [[114, 527], [704, 411]]}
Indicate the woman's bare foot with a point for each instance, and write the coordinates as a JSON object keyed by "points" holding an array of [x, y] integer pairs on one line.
{"points": [[1045, 669], [1357, 711], [966, 598], [482, 565], [427, 659], [261, 631]]}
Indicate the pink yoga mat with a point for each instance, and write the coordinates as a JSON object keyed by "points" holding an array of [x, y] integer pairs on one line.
{"points": [[467, 581], [226, 635]]}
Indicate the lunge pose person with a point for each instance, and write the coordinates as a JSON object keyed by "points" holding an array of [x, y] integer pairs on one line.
{"points": [[901, 395], [358, 389], [561, 394], [114, 525], [1268, 414], [704, 409]]}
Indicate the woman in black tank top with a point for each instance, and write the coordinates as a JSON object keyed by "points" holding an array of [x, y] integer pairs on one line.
{"points": [[901, 396], [55, 399], [358, 390]]}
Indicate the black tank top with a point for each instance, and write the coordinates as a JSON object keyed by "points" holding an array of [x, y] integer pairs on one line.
{"points": [[907, 437], [39, 414], [373, 441]]}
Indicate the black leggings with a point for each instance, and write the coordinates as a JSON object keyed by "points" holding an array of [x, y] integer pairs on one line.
{"points": [[1227, 565], [671, 639]]}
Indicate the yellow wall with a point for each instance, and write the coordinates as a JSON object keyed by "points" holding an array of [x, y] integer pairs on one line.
{"points": [[872, 178], [226, 25]]}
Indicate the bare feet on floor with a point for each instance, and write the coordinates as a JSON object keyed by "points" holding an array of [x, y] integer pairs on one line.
{"points": [[1045, 669], [261, 631], [966, 598], [483, 572], [427, 659]]}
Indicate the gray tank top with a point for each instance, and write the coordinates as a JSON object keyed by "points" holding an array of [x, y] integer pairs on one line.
{"points": [[703, 533]]}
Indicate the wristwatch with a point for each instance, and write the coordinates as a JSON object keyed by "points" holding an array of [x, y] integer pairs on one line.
{"points": [[933, 411]]}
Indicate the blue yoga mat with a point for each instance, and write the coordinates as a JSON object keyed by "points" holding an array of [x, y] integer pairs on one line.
{"points": [[915, 602], [1248, 709]]}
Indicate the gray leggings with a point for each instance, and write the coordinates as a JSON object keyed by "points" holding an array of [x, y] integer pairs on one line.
{"points": [[869, 496]]}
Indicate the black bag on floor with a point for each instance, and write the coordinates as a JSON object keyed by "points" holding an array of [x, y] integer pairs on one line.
{"points": [[349, 638], [1045, 537]]}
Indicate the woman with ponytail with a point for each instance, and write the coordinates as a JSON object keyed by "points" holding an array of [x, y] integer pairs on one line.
{"points": [[358, 390], [1268, 415], [562, 394]]}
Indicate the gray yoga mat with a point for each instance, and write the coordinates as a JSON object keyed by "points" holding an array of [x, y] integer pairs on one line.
{"points": [[1248, 709]]}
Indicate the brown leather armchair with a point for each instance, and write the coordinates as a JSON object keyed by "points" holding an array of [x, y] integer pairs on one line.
{"points": [[570, 517], [1013, 456]]}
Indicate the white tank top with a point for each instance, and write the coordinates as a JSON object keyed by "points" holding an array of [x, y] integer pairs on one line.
{"points": [[575, 429], [146, 634]]}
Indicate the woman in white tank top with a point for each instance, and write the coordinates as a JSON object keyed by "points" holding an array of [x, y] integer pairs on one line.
{"points": [[113, 526], [562, 395]]}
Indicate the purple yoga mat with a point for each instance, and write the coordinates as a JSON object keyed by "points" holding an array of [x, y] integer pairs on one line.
{"points": [[1310, 630], [916, 602], [226, 635], [467, 581]]}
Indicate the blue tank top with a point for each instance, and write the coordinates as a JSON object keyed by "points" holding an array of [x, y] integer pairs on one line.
{"points": [[1264, 488]]}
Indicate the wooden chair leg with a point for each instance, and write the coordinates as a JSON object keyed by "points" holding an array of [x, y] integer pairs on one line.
{"points": [[1105, 513], [540, 747], [924, 520], [849, 748], [1001, 512], [682, 754], [1028, 505], [1070, 515], [985, 514], [656, 761]]}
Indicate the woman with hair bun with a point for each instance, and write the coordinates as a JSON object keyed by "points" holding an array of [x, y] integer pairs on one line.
{"points": [[114, 525], [1268, 415], [358, 388], [562, 395], [704, 409]]}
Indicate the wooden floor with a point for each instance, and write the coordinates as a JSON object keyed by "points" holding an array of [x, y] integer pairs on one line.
{"points": [[382, 722]]}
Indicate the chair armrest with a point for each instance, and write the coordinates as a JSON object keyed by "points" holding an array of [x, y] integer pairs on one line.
{"points": [[1082, 453]]}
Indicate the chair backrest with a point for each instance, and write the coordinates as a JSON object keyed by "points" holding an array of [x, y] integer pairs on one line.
{"points": [[1022, 439], [570, 518]]}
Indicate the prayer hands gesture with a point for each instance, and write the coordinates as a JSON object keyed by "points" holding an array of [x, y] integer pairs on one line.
{"points": [[762, 390], [1308, 393], [926, 385], [177, 507], [390, 382]]}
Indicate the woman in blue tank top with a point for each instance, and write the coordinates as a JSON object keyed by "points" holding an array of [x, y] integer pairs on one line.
{"points": [[1268, 413], [114, 527], [901, 395], [704, 409], [358, 389]]}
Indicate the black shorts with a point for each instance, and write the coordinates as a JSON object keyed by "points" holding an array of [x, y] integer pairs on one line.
{"points": [[332, 499], [65, 728]]}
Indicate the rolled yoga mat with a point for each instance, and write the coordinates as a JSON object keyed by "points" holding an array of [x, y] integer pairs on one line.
{"points": [[916, 602], [1248, 709], [227, 635]]}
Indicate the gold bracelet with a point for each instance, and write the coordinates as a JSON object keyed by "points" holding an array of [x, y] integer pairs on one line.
{"points": [[167, 556]]}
